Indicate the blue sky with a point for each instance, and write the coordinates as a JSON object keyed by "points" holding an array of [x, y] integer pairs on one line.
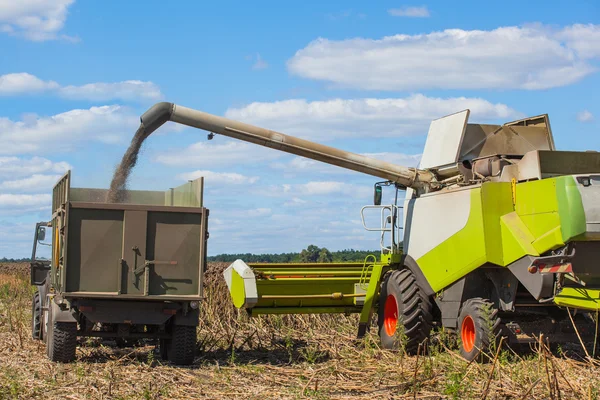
{"points": [[363, 76]]}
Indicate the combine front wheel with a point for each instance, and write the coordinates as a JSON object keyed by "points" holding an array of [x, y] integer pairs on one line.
{"points": [[479, 327], [405, 312]]}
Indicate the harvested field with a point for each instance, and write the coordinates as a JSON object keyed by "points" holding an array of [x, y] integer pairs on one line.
{"points": [[274, 357]]}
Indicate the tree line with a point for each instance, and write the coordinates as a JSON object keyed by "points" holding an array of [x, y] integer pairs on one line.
{"points": [[310, 254]]}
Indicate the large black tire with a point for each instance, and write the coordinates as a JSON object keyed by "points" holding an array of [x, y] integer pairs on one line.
{"points": [[405, 312], [478, 328], [181, 348], [36, 317], [61, 341]]}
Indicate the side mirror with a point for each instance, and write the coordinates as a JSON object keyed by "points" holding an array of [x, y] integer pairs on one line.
{"points": [[377, 195], [41, 234]]}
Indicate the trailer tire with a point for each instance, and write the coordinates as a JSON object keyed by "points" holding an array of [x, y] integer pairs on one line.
{"points": [[61, 345], [478, 328], [403, 302], [36, 317], [181, 348]]}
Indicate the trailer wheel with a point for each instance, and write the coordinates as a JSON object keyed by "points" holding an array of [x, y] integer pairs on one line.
{"points": [[405, 312], [479, 327], [36, 317], [181, 348], [61, 341]]}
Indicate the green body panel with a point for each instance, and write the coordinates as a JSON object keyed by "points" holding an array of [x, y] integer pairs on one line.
{"points": [[460, 254], [545, 215], [588, 299]]}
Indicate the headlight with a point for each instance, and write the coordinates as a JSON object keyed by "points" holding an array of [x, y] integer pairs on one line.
{"points": [[194, 304]]}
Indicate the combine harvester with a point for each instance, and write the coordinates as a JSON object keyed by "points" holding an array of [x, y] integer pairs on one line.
{"points": [[498, 234]]}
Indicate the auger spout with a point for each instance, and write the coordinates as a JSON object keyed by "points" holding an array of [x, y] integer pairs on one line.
{"points": [[162, 112]]}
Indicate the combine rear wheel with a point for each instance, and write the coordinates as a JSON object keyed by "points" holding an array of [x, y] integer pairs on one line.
{"points": [[405, 312], [479, 328]]}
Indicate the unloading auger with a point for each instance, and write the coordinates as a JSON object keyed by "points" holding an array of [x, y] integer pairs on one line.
{"points": [[498, 234]]}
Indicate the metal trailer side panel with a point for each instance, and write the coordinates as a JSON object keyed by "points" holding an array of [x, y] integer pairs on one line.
{"points": [[134, 251]]}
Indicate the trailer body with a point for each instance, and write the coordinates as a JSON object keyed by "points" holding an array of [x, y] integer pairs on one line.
{"points": [[128, 270]]}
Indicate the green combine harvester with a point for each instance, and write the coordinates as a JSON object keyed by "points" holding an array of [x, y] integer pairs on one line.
{"points": [[498, 234]]}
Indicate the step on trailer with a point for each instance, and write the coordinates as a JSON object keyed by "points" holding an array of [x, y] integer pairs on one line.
{"points": [[498, 234], [126, 271]]}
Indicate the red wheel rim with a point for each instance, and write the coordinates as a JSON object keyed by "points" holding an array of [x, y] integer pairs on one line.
{"points": [[390, 315], [467, 333]]}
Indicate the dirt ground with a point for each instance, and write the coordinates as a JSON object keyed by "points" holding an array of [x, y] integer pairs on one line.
{"points": [[274, 357]]}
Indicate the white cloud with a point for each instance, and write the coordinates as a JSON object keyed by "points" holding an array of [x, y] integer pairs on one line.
{"points": [[36, 182], [341, 118], [584, 39], [36, 20], [131, 90], [23, 82], [210, 154], [585, 116], [259, 63], [125, 90], [295, 202], [25, 200], [320, 188], [63, 132], [219, 177], [305, 165], [526, 57], [15, 167], [257, 212], [413, 12]]}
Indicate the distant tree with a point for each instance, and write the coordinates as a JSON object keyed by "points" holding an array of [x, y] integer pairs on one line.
{"points": [[325, 256], [310, 254]]}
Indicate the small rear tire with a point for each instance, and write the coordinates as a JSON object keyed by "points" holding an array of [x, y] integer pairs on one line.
{"points": [[61, 345], [478, 328], [61, 338], [36, 317], [405, 312], [181, 348]]}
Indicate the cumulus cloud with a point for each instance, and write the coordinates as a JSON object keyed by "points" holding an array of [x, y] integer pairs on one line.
{"points": [[23, 82], [33, 183], [305, 165], [210, 154], [412, 12], [131, 90], [16, 167], [343, 118], [35, 201], [36, 20], [231, 178], [585, 116], [320, 188], [64, 131], [517, 57]]}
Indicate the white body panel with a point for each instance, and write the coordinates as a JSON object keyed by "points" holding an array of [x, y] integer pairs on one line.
{"points": [[444, 140], [432, 219]]}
